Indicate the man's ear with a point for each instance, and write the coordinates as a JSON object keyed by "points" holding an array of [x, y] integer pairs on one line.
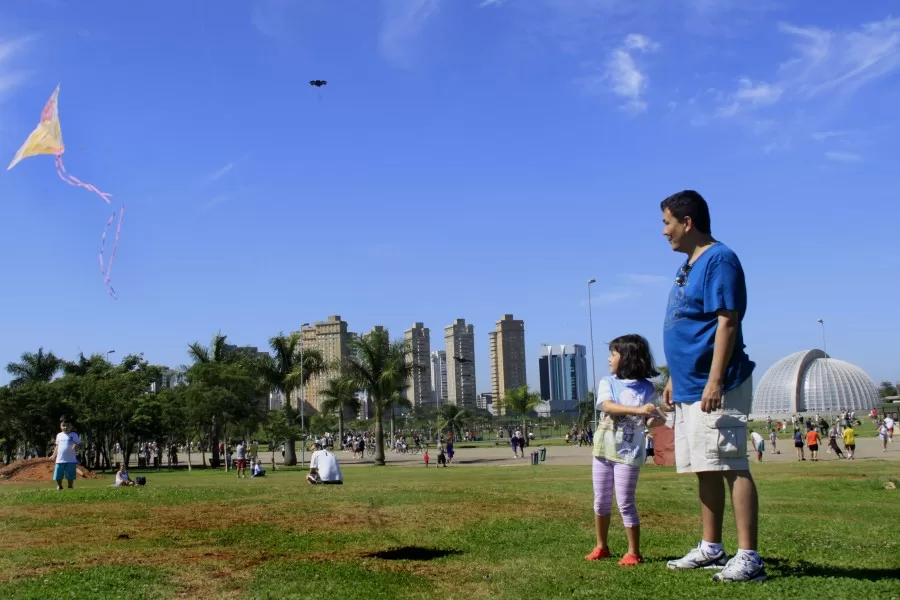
{"points": [[688, 224]]}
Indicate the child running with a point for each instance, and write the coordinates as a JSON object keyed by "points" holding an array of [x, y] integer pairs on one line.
{"points": [[627, 400]]}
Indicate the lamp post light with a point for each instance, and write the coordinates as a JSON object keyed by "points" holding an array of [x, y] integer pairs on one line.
{"points": [[593, 362], [302, 397], [108, 352]]}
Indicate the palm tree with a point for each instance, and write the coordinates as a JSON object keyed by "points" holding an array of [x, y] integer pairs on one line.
{"points": [[453, 418], [522, 401], [339, 396], [217, 351], [34, 367], [379, 367], [285, 372]]}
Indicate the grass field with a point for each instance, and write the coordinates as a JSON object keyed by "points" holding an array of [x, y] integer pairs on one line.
{"points": [[464, 532]]}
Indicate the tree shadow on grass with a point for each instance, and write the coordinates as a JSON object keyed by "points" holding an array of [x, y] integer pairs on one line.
{"points": [[780, 567], [412, 553]]}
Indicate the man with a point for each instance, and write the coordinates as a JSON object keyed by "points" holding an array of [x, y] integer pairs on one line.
{"points": [[710, 388], [67, 444], [759, 443], [241, 459], [324, 467]]}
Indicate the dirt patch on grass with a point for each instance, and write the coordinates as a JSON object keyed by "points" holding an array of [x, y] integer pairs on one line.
{"points": [[38, 469], [830, 476]]}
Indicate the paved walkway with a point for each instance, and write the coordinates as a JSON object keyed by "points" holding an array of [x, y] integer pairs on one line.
{"points": [[501, 456]]}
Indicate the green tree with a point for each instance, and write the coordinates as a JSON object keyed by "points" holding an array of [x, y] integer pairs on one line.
{"points": [[453, 419], [339, 397], [34, 367], [584, 411], [521, 400], [887, 389], [280, 426], [379, 367], [285, 372], [661, 380]]}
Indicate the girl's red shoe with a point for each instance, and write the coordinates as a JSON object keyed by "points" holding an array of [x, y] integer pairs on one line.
{"points": [[598, 553], [629, 560]]}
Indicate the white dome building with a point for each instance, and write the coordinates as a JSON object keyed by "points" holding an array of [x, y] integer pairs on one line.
{"points": [[811, 381]]}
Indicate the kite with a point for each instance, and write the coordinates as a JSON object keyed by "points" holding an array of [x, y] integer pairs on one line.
{"points": [[47, 139], [318, 82]]}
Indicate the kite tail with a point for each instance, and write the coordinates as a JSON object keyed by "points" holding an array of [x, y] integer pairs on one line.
{"points": [[107, 273], [75, 182]]}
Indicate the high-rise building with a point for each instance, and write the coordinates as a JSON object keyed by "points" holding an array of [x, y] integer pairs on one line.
{"points": [[507, 347], [418, 389], [483, 401], [459, 340], [563, 371], [330, 338], [439, 377]]}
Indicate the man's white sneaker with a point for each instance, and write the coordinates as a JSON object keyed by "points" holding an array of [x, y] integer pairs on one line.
{"points": [[742, 568], [699, 559]]}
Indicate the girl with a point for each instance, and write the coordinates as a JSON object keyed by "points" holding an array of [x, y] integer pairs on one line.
{"points": [[627, 400]]}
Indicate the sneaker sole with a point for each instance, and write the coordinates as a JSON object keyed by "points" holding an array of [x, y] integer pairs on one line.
{"points": [[676, 568], [756, 579]]}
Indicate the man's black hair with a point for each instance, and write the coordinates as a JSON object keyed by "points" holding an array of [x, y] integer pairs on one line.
{"points": [[689, 203]]}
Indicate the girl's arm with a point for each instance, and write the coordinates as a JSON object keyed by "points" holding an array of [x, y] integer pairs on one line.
{"points": [[616, 409]]}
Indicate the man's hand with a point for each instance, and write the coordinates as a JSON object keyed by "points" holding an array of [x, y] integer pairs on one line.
{"points": [[667, 395], [712, 397]]}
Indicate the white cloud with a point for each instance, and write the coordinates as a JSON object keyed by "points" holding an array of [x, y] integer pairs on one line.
{"points": [[821, 136], [485, 3], [750, 95], [841, 61], [623, 74], [826, 64], [613, 297], [224, 170], [10, 76], [844, 157], [404, 21]]}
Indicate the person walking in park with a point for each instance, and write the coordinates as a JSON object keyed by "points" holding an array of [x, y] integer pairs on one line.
{"points": [[710, 387], [628, 401], [812, 442], [67, 444], [849, 442]]}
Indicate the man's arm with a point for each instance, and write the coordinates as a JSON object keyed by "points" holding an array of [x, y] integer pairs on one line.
{"points": [[726, 332]]}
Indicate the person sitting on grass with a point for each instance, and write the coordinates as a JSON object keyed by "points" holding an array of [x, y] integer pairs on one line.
{"points": [[324, 467], [122, 478], [257, 470]]}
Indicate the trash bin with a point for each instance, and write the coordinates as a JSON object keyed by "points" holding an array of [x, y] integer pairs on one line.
{"points": [[535, 458], [543, 451]]}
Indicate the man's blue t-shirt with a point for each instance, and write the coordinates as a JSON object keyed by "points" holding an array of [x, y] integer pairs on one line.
{"points": [[714, 282]]}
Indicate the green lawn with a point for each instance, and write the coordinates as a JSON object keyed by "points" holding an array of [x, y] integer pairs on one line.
{"points": [[461, 532]]}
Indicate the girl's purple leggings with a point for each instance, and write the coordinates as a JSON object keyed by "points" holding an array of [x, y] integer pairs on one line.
{"points": [[607, 475]]}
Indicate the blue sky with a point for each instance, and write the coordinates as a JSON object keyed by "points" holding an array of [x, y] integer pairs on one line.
{"points": [[467, 159]]}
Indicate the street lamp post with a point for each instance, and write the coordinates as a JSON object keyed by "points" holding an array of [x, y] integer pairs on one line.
{"points": [[302, 402], [593, 362], [108, 352], [825, 350]]}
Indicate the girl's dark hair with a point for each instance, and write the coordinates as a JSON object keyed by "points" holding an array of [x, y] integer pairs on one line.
{"points": [[636, 360]]}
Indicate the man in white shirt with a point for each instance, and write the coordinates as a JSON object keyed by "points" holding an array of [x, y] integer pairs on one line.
{"points": [[889, 423], [241, 459], [759, 443], [324, 467], [67, 442]]}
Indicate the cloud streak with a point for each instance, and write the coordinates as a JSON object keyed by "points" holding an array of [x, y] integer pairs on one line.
{"points": [[844, 157], [403, 23], [223, 171], [825, 64], [10, 77]]}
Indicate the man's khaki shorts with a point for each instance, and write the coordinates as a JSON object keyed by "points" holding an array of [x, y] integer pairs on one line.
{"points": [[716, 441]]}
